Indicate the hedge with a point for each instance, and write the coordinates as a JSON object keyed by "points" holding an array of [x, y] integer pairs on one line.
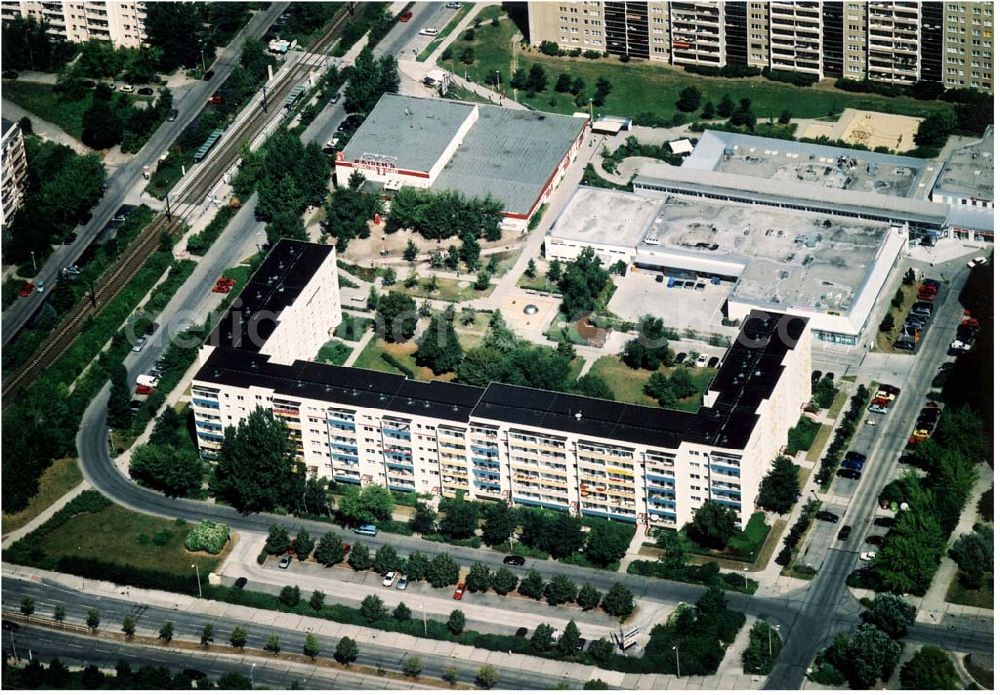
{"points": [[199, 243], [799, 79], [797, 531], [393, 362]]}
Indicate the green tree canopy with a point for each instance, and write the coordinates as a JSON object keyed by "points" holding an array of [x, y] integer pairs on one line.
{"points": [[396, 317], [891, 614], [929, 669], [712, 525], [779, 490], [651, 348]]}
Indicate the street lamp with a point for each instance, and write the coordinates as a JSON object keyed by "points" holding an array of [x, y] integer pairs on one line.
{"points": [[252, 667], [677, 653], [591, 100], [425, 618], [197, 574], [746, 578], [33, 266], [776, 629], [203, 68]]}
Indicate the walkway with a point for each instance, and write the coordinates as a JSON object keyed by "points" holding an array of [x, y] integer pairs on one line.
{"points": [[45, 515], [42, 128]]}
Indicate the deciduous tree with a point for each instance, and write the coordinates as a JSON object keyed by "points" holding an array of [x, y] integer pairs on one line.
{"points": [[779, 490], [712, 525]]}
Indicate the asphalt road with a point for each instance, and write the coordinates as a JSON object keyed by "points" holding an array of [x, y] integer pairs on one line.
{"points": [[78, 650], [127, 179], [811, 629], [188, 627]]}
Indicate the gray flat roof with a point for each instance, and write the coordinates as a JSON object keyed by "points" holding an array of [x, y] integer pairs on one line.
{"points": [[510, 155], [791, 193], [969, 217], [968, 172], [605, 217], [415, 131]]}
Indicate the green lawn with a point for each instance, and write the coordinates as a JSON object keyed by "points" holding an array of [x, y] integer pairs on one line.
{"points": [[643, 87], [49, 105], [539, 283], [448, 290], [58, 479], [116, 534], [371, 358], [627, 383], [983, 598]]}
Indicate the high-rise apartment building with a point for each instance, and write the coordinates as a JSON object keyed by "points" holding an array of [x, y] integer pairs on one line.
{"points": [[892, 42], [122, 23], [14, 168]]}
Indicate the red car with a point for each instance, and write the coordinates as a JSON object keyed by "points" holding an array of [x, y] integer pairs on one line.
{"points": [[459, 592], [215, 99], [406, 16], [222, 289], [144, 390], [28, 288]]}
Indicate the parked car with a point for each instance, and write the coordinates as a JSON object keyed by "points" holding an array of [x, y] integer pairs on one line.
{"points": [[145, 91], [144, 390], [905, 345], [702, 361], [868, 556], [134, 405], [70, 238], [406, 16], [932, 283], [659, 278], [879, 409], [194, 674], [10, 74], [884, 521], [240, 583], [712, 362], [367, 530], [849, 473], [459, 592], [855, 456], [127, 88], [284, 562], [521, 631], [335, 97], [681, 356], [429, 31], [215, 99], [874, 539], [453, 5], [889, 388], [844, 533], [172, 116], [978, 260], [514, 560], [827, 516], [403, 582], [852, 465], [139, 344], [580, 644], [26, 289], [209, 75], [389, 579]]}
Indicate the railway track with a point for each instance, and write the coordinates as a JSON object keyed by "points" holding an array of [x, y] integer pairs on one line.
{"points": [[203, 180]]}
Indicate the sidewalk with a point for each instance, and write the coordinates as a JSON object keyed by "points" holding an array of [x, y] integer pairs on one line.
{"points": [[46, 514], [42, 128]]}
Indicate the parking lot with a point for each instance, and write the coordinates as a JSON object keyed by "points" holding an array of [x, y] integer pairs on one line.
{"points": [[639, 293]]}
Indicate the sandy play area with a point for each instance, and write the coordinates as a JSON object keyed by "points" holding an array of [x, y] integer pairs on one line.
{"points": [[869, 128]]}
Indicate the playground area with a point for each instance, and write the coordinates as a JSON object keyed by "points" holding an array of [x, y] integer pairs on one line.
{"points": [[869, 128]]}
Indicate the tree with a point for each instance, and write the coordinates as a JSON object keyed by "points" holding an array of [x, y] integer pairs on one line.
{"points": [[370, 79], [304, 545], [438, 347], [891, 614], [607, 541], [172, 30], [396, 317], [456, 622], [504, 581], [601, 649], [785, 117], [532, 585], [311, 646], [460, 518], [565, 536], [596, 684], [593, 386], [366, 505], [330, 550], [317, 600], [417, 566], [27, 606], [256, 470], [238, 637], [712, 525], [567, 643], [559, 590], [286, 224], [726, 106], [582, 283], [651, 348], [167, 632], [128, 626], [207, 634], [277, 540], [450, 676], [541, 639], [487, 677], [402, 612], [779, 490], [499, 522], [588, 597], [119, 416], [708, 112], [478, 578], [531, 270], [934, 130], [93, 619], [618, 601], [563, 83], [873, 655], [973, 553], [290, 596], [59, 613], [555, 271], [373, 609], [410, 253], [232, 681], [689, 100], [537, 79], [273, 644], [929, 669], [386, 560], [102, 127], [174, 472], [762, 651], [412, 666], [443, 571], [346, 651]]}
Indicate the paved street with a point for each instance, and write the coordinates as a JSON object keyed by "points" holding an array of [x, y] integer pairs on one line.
{"points": [[126, 182]]}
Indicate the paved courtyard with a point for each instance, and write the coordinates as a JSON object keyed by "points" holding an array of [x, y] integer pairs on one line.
{"points": [[638, 293]]}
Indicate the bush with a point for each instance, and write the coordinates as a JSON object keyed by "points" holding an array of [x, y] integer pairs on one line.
{"points": [[796, 532], [799, 79], [208, 536], [393, 362]]}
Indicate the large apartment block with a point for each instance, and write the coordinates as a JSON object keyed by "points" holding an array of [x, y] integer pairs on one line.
{"points": [[891, 42], [531, 447], [14, 168], [122, 23]]}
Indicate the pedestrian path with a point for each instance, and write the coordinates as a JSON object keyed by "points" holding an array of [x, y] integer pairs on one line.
{"points": [[43, 128], [45, 515]]}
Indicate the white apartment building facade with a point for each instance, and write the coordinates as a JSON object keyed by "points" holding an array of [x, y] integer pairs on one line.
{"points": [[122, 22], [14, 169], [895, 42], [581, 455]]}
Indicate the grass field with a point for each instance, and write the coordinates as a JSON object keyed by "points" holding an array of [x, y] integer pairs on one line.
{"points": [[49, 105], [983, 598], [448, 290], [58, 479], [120, 535], [839, 401], [819, 442], [627, 383], [371, 358], [643, 87]]}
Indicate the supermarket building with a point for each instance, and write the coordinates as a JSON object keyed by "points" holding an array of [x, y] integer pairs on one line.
{"points": [[531, 447]]}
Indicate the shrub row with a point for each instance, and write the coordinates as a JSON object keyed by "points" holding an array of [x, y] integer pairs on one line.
{"points": [[393, 362], [707, 574], [799, 79], [198, 244], [842, 436], [724, 71], [796, 532]]}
